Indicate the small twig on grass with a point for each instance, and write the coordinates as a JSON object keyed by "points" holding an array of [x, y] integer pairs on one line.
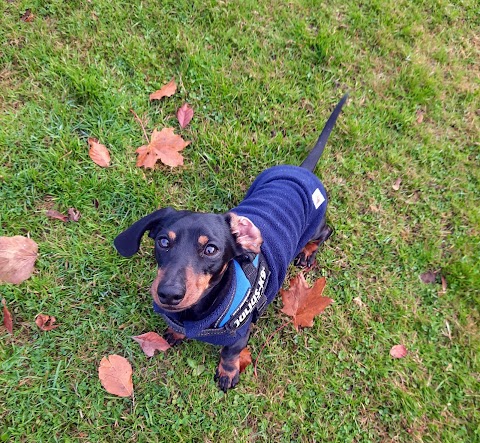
{"points": [[265, 344], [141, 124]]}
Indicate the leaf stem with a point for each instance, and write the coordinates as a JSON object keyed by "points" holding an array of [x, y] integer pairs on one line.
{"points": [[265, 344], [141, 124]]}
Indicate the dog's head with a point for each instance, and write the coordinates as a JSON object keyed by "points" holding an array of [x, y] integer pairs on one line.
{"points": [[192, 250]]}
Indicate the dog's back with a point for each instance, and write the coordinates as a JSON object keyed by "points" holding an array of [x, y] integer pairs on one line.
{"points": [[286, 203]]}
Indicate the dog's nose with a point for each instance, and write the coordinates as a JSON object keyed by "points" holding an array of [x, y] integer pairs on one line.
{"points": [[170, 295]]}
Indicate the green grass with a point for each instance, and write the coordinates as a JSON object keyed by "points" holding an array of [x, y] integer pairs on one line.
{"points": [[262, 77]]}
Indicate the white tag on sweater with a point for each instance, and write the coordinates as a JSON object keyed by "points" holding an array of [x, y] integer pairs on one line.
{"points": [[317, 198]]}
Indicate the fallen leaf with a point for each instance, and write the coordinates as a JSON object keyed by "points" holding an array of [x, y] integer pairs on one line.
{"points": [[115, 374], [74, 214], [184, 115], [7, 317], [151, 342], [302, 302], [17, 258], [429, 277], [46, 322], [444, 285], [396, 185], [52, 213], [398, 351], [420, 115], [245, 359], [165, 91], [164, 146], [358, 301], [27, 16], [98, 153]]}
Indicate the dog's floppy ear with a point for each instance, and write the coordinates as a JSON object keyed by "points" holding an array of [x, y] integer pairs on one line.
{"points": [[128, 242], [246, 234]]}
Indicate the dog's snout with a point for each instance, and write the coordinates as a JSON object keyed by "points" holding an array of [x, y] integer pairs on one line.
{"points": [[171, 295]]}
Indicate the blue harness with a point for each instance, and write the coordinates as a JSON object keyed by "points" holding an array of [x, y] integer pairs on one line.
{"points": [[244, 302]]}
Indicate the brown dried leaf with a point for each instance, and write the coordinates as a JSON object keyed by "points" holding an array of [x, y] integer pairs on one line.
{"points": [[396, 185], [398, 351], [52, 213], [429, 277], [74, 214], [165, 91], [115, 374], [358, 301], [17, 258], [184, 115], [164, 146], [27, 16], [444, 285], [151, 342], [302, 302], [98, 153], [7, 317], [420, 115], [46, 322], [245, 359]]}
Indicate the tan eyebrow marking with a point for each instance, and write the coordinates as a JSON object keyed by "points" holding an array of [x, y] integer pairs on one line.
{"points": [[172, 235], [203, 240]]}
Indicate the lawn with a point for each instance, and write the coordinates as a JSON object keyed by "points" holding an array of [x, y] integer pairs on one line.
{"points": [[262, 77]]}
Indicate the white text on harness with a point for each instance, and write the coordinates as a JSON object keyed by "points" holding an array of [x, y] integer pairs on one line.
{"points": [[259, 289]]}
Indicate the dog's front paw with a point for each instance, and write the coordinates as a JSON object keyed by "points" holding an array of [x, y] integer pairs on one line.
{"points": [[172, 337], [306, 257], [228, 374]]}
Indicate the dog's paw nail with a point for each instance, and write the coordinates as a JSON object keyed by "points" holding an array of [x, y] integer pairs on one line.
{"points": [[224, 382], [300, 261]]}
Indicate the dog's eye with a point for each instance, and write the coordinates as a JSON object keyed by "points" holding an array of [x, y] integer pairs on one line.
{"points": [[210, 250], [163, 242]]}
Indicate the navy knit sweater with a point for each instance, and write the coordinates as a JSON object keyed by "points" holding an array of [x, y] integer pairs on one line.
{"points": [[286, 203]]}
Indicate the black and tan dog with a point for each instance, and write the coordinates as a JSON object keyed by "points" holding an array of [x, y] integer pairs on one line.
{"points": [[218, 272]]}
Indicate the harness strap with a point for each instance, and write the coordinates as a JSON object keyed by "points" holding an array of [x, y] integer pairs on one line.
{"points": [[254, 300], [248, 301]]}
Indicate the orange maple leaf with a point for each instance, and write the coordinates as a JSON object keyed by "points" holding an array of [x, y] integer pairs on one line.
{"points": [[165, 91], [302, 302], [164, 146]]}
